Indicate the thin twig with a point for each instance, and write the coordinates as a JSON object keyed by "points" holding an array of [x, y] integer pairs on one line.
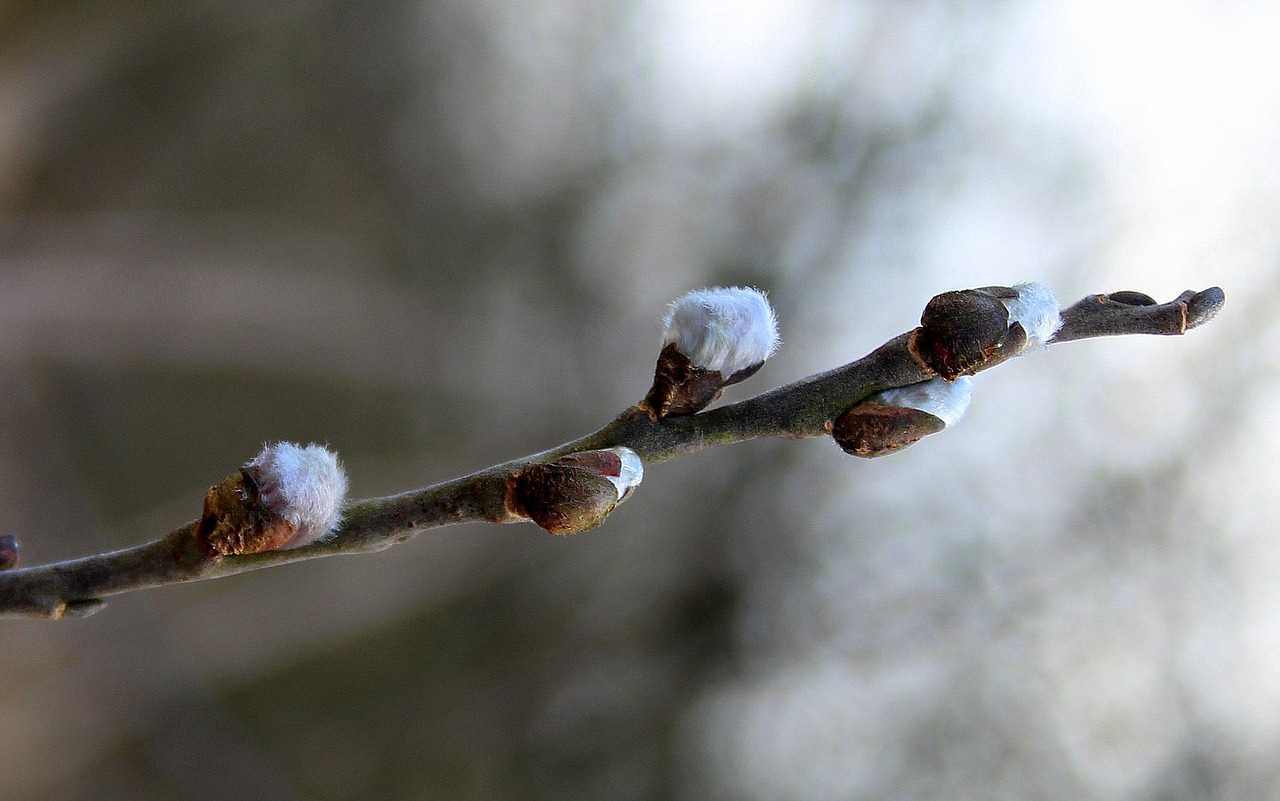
{"points": [[805, 408]]}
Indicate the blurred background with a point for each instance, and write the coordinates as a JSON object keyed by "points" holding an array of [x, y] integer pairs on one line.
{"points": [[440, 234]]}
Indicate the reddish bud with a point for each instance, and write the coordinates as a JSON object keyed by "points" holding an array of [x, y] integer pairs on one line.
{"points": [[875, 429], [575, 492], [679, 387], [891, 420]]}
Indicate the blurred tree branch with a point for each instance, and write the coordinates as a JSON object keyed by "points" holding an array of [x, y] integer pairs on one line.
{"points": [[807, 408]]}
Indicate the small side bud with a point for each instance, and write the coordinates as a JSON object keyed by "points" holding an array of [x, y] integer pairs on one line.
{"points": [[891, 420], [286, 497], [8, 552], [575, 492], [713, 338], [1129, 298]]}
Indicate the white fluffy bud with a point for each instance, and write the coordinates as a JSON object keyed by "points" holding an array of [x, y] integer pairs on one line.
{"points": [[305, 486], [945, 400], [630, 473], [1037, 310], [724, 330]]}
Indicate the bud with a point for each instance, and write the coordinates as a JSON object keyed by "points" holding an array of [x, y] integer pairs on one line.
{"points": [[961, 332], [891, 420], [286, 497], [8, 552], [575, 492], [1129, 298], [713, 338]]}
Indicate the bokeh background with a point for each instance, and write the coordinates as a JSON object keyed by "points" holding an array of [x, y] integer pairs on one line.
{"points": [[440, 234]]}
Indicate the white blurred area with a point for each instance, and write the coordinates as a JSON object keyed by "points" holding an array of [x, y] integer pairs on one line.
{"points": [[987, 626], [462, 220]]}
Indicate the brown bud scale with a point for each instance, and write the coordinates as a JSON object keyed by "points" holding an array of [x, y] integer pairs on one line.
{"points": [[681, 388], [603, 462], [742, 375], [960, 331], [875, 429], [568, 495], [1130, 298], [236, 521]]}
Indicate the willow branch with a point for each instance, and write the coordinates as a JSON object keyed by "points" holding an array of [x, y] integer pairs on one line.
{"points": [[806, 408]]}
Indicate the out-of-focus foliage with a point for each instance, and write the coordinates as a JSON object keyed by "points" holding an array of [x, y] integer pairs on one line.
{"points": [[438, 235]]}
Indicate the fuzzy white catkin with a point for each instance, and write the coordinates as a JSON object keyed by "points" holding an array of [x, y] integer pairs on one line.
{"points": [[305, 486], [724, 329], [630, 474], [1037, 310], [945, 400]]}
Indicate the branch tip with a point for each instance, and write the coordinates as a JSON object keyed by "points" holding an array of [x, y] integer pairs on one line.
{"points": [[1203, 306], [1135, 313]]}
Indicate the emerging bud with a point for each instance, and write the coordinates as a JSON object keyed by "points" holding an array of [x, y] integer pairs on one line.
{"points": [[713, 338], [961, 332], [305, 486], [286, 497], [630, 472], [891, 420], [724, 330], [1035, 308], [575, 492], [8, 552], [946, 400]]}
